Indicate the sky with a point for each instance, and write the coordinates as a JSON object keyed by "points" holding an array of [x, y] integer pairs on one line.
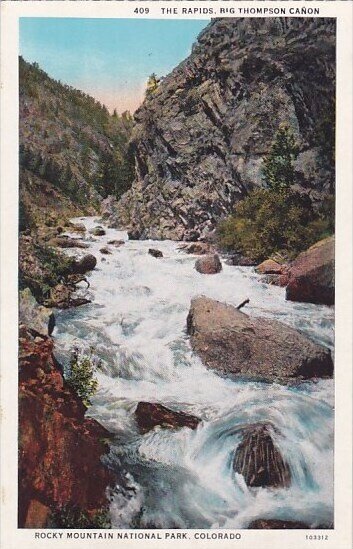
{"points": [[110, 59]]}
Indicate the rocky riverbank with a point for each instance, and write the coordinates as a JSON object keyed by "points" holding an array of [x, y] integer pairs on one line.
{"points": [[62, 480]]}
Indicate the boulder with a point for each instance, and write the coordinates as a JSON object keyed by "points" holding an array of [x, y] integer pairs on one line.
{"points": [[275, 524], [312, 274], [105, 251], [238, 260], [275, 279], [269, 267], [86, 263], [259, 460], [148, 415], [34, 316], [209, 264], [61, 297], [78, 228], [97, 231], [236, 345], [155, 253], [116, 243], [67, 242]]}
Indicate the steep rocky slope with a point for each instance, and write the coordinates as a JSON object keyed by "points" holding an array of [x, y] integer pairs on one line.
{"points": [[72, 151], [200, 137], [60, 468]]}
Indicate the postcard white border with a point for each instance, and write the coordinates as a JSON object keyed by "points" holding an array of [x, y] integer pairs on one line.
{"points": [[11, 536]]}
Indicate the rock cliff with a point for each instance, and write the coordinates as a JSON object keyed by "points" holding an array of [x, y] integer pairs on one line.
{"points": [[60, 449], [200, 137]]}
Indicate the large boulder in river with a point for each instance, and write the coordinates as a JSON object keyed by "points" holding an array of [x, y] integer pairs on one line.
{"points": [[209, 264], [312, 274], [234, 344], [86, 263], [149, 415], [259, 460]]}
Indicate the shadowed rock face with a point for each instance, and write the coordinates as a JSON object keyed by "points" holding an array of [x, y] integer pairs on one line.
{"points": [[234, 344], [200, 138], [149, 415], [259, 460]]}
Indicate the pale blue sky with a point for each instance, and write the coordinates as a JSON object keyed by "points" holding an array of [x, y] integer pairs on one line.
{"points": [[110, 59]]}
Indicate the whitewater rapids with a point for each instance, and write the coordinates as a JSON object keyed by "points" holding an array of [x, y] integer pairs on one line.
{"points": [[136, 325]]}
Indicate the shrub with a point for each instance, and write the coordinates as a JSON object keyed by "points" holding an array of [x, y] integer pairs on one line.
{"points": [[266, 222], [81, 375]]}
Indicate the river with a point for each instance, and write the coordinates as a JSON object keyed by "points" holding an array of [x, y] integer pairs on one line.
{"points": [[136, 325]]}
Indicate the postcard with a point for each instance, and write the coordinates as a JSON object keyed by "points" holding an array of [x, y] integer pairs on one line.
{"points": [[176, 290]]}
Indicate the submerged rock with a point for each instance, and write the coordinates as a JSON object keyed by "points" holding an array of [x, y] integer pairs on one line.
{"points": [[312, 274], [105, 250], [116, 243], [155, 253], [275, 524], [209, 264], [234, 344], [149, 415], [259, 460]]}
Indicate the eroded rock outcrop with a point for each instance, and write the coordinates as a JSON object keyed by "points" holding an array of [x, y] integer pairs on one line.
{"points": [[149, 415], [258, 459], [234, 344], [312, 274], [59, 449], [201, 136]]}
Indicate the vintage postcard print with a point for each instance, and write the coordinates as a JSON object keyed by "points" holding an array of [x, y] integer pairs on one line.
{"points": [[176, 274]]}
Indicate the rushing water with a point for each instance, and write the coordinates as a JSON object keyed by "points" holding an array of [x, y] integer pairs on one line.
{"points": [[183, 478]]}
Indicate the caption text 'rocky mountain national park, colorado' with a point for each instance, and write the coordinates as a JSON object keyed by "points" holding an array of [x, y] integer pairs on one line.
{"points": [[176, 273]]}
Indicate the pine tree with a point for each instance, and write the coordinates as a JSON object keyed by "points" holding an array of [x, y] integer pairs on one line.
{"points": [[152, 84], [278, 167]]}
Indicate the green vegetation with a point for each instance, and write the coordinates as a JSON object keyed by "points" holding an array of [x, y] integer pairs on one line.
{"points": [[81, 375], [152, 84], [278, 168], [70, 516], [276, 219]]}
